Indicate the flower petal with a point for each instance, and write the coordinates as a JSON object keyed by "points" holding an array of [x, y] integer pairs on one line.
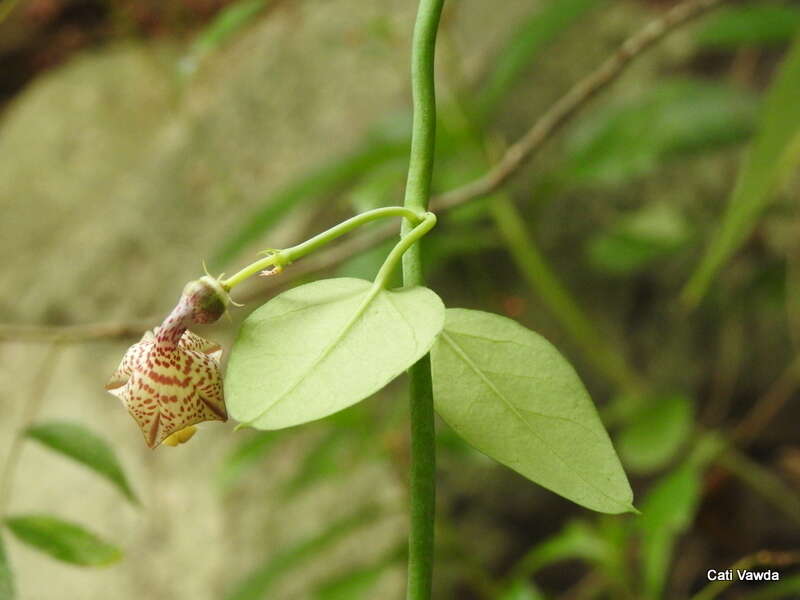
{"points": [[129, 361], [192, 341]]}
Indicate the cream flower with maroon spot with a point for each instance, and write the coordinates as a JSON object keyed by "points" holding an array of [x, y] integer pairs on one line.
{"points": [[171, 378]]}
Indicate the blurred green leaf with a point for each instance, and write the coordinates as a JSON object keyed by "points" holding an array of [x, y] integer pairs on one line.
{"points": [[357, 584], [335, 450], [365, 265], [772, 153], [62, 540], [638, 239], [85, 447], [378, 187], [6, 576], [750, 25], [531, 37], [226, 24], [351, 586], [788, 588], [245, 456], [521, 590], [318, 348], [449, 244], [668, 510], [669, 120], [509, 393], [256, 585], [577, 540], [657, 433], [310, 187]]}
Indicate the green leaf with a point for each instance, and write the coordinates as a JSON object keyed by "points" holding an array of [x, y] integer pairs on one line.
{"points": [[508, 392], [85, 447], [668, 511], [358, 583], [521, 590], [340, 447], [750, 25], [62, 540], [657, 433], [6, 576], [245, 457], [773, 151], [525, 44], [312, 186], [788, 588], [256, 585], [321, 347], [365, 264], [638, 239], [669, 120], [577, 540], [226, 24]]}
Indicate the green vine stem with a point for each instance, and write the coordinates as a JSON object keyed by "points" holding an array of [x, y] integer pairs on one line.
{"points": [[400, 249], [418, 186], [281, 258]]}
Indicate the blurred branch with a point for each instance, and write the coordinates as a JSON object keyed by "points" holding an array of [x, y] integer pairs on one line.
{"points": [[761, 480], [571, 102], [75, 333], [764, 558], [512, 160], [768, 405]]}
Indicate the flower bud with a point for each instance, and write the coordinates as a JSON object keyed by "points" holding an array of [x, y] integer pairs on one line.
{"points": [[206, 300]]}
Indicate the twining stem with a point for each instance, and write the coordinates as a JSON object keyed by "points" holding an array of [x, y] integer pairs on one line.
{"points": [[400, 249], [422, 487], [281, 258]]}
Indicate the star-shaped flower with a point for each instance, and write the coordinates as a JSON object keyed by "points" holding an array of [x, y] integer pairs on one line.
{"points": [[171, 378]]}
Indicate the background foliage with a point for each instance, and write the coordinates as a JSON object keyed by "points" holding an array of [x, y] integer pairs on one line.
{"points": [[653, 242]]}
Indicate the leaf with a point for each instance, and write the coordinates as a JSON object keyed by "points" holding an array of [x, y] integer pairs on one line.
{"points": [[509, 393], [669, 120], [245, 456], [786, 589], [311, 186], [256, 585], [365, 264], [85, 447], [321, 347], [577, 540], [226, 24], [768, 159], [668, 511], [6, 576], [525, 44], [521, 590], [351, 586], [638, 239], [750, 25], [657, 433], [340, 447], [358, 583], [63, 541]]}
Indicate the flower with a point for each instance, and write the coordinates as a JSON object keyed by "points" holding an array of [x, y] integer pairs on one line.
{"points": [[171, 380], [181, 436]]}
